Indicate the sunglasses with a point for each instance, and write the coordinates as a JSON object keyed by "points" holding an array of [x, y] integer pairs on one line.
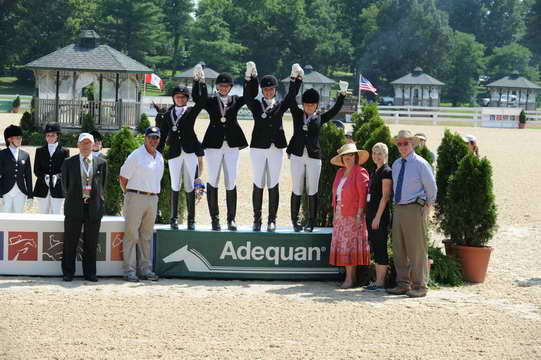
{"points": [[402, 143]]}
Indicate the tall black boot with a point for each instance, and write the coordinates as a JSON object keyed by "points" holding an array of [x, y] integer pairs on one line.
{"points": [[295, 206], [257, 201], [274, 198], [190, 204], [214, 211], [231, 201], [174, 209], [312, 211]]}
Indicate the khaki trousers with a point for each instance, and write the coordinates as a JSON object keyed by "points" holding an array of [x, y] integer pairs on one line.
{"points": [[410, 250], [140, 214]]}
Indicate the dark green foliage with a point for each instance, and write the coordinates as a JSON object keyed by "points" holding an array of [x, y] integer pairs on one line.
{"points": [[426, 154], [471, 208], [27, 122], [88, 124], [451, 150], [16, 103], [366, 122], [381, 134], [122, 145], [143, 124], [33, 138], [446, 270], [522, 117]]}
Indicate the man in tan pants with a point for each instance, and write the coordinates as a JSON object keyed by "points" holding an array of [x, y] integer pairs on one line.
{"points": [[414, 192], [140, 178]]}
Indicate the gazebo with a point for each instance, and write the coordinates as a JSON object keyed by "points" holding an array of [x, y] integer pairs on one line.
{"points": [[316, 80], [88, 78], [417, 89], [186, 77], [513, 91]]}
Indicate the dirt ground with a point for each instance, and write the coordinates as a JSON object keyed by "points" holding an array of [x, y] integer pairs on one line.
{"points": [[44, 318]]}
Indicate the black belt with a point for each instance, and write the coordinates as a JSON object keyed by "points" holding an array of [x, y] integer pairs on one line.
{"points": [[141, 192]]}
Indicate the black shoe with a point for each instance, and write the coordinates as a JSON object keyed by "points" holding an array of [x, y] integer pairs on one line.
{"points": [[274, 198], [190, 205], [295, 206], [91, 278], [257, 201], [67, 278], [312, 212], [231, 201], [212, 200], [174, 210]]}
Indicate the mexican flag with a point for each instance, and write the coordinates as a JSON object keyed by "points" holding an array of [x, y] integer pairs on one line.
{"points": [[154, 80]]}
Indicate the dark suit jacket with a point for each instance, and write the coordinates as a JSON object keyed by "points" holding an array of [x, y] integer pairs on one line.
{"points": [[269, 130], [15, 171], [184, 138], [44, 164], [310, 138], [73, 188], [229, 131]]}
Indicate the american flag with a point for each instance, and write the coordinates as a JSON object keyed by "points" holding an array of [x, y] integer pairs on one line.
{"points": [[366, 85]]}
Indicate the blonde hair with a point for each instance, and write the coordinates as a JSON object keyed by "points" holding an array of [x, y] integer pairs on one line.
{"points": [[383, 150]]}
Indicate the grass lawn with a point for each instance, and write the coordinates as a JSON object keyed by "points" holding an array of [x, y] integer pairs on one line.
{"points": [[9, 86]]}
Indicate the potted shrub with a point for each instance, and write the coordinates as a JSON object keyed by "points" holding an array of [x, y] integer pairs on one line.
{"points": [[451, 150], [522, 120], [16, 104], [471, 215]]}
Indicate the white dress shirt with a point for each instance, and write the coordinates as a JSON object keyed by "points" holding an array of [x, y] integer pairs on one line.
{"points": [[143, 171]]}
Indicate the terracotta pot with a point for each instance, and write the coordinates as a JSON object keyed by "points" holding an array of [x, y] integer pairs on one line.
{"points": [[474, 261], [521, 125], [449, 247], [15, 110]]}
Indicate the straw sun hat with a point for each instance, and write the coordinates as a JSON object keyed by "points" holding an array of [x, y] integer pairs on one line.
{"points": [[349, 149], [406, 135]]}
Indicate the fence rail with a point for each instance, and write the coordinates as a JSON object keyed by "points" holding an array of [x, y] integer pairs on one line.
{"points": [[437, 115]]}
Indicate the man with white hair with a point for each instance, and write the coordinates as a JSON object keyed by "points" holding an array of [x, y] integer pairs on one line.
{"points": [[83, 182]]}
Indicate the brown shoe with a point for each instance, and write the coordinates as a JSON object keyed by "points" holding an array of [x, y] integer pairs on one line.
{"points": [[398, 290], [416, 293]]}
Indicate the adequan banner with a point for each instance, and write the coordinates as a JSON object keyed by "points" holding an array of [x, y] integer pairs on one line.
{"points": [[244, 254]]}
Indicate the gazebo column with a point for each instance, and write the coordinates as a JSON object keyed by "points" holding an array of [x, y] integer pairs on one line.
{"points": [[100, 99], [508, 99], [527, 98], [57, 96], [117, 104], [73, 97]]}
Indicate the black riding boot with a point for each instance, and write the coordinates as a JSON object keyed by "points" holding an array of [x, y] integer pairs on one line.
{"points": [[174, 209], [274, 198], [231, 201], [295, 206], [257, 201], [190, 204], [212, 200], [312, 211]]}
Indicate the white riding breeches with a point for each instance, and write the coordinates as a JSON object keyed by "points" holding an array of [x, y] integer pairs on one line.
{"points": [[185, 166], [305, 167], [266, 166], [14, 200], [228, 158], [50, 205]]}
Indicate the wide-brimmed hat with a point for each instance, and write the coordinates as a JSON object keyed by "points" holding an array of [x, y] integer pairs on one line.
{"points": [[421, 136], [349, 149], [405, 135]]}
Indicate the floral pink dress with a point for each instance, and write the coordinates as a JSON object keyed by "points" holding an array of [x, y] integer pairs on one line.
{"points": [[349, 245]]}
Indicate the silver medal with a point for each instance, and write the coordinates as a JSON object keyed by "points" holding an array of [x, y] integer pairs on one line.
{"points": [[174, 128], [223, 119], [305, 127], [264, 115]]}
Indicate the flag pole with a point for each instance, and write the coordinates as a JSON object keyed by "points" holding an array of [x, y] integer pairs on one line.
{"points": [[360, 91]]}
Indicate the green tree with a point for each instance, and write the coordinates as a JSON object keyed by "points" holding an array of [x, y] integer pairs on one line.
{"points": [[122, 145], [466, 16], [178, 19], [8, 20], [502, 24], [533, 30], [381, 134], [511, 57], [467, 64], [135, 27], [471, 210]]}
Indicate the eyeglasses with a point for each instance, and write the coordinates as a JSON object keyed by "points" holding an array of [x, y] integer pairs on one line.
{"points": [[402, 143]]}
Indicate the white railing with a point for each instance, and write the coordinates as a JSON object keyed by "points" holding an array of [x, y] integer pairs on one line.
{"points": [[439, 115]]}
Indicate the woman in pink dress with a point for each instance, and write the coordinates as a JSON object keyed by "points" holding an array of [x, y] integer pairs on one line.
{"points": [[349, 246]]}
